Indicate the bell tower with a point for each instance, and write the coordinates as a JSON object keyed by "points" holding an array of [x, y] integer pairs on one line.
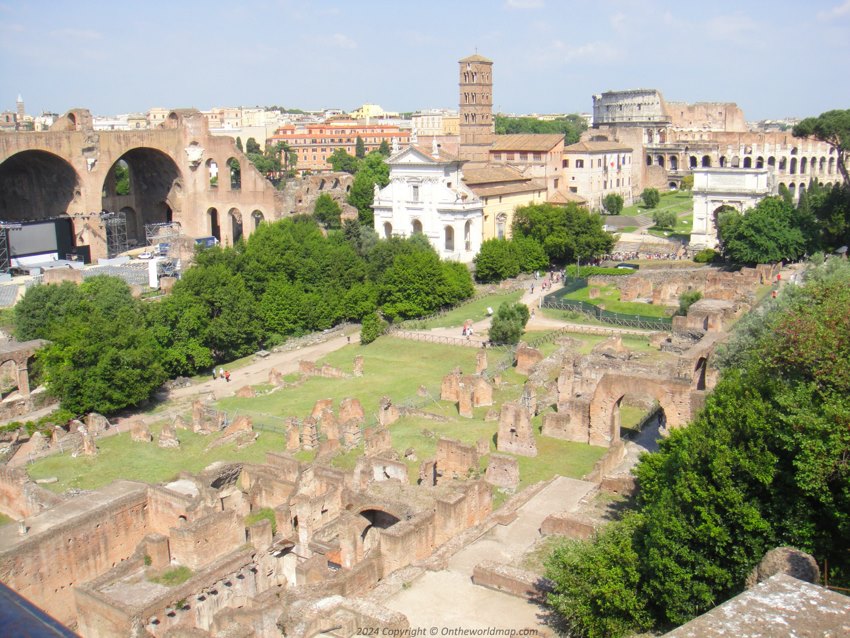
{"points": [[476, 108]]}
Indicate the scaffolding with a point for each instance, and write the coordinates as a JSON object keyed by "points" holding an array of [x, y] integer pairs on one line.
{"points": [[163, 237], [115, 225], [5, 227]]}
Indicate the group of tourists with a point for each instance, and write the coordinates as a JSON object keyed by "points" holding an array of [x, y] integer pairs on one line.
{"points": [[221, 373]]}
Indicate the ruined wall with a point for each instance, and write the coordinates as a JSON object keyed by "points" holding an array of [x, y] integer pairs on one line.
{"points": [[20, 497], [197, 544], [45, 567], [707, 116]]}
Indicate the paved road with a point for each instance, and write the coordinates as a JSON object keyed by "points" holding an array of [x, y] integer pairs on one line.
{"points": [[449, 599]]}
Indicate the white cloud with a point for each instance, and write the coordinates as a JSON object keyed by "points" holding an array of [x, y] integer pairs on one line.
{"points": [[618, 22], [839, 11], [342, 41], [524, 4], [594, 52]]}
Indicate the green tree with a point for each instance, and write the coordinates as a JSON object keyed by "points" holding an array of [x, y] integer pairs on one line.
{"points": [[832, 127], [571, 126], [497, 260], [239, 144], [251, 146], [102, 356], [687, 183], [372, 328], [122, 178], [342, 162], [567, 233], [384, 148], [373, 170], [359, 148], [651, 197], [768, 233], [235, 173], [613, 203], [688, 299], [41, 307], [664, 218], [507, 325], [327, 211]]}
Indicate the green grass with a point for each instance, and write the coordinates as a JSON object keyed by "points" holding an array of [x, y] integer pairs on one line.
{"points": [[626, 229], [5, 519], [392, 367], [120, 457], [474, 310], [677, 201], [173, 577], [265, 513], [534, 559], [609, 296]]}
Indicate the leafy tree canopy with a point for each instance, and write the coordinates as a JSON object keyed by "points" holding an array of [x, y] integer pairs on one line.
{"points": [[768, 233], [832, 127], [651, 197], [566, 232], [613, 203], [571, 126]]}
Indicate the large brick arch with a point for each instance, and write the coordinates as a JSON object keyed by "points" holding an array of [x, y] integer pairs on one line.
{"points": [[674, 397]]}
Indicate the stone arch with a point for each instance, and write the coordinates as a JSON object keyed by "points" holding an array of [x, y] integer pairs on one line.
{"points": [[783, 164], [706, 161], [156, 187], [449, 239], [822, 165], [649, 160], [700, 368], [759, 162], [722, 161], [793, 167], [416, 226], [213, 225], [736, 162], [748, 162], [672, 186], [673, 397], [236, 229], [792, 188], [36, 184], [771, 161], [388, 230], [659, 160], [375, 520], [693, 161], [212, 173], [831, 166], [258, 218], [804, 164], [673, 163]]}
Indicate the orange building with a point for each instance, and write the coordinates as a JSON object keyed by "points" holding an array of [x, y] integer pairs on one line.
{"points": [[315, 143]]}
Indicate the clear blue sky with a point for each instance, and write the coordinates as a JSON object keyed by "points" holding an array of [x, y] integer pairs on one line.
{"points": [[774, 58]]}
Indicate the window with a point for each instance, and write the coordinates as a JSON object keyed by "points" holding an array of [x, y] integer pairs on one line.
{"points": [[537, 157], [415, 192], [497, 156], [509, 156], [579, 163], [556, 184], [566, 163], [523, 157]]}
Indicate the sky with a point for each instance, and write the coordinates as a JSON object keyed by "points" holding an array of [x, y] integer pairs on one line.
{"points": [[774, 58]]}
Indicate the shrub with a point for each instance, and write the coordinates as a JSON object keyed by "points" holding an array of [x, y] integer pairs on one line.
{"points": [[650, 197], [372, 328], [686, 300], [613, 203], [508, 323], [266, 513], [706, 256], [664, 218]]}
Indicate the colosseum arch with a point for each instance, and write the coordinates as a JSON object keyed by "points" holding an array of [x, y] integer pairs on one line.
{"points": [[258, 218], [213, 223], [36, 184], [693, 162], [156, 188]]}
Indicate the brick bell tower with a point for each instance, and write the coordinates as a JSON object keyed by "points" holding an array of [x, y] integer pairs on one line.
{"points": [[476, 108]]}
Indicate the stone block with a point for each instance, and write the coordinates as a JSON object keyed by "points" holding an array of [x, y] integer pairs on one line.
{"points": [[515, 431], [168, 437], [140, 432], [502, 471], [351, 409], [246, 392]]}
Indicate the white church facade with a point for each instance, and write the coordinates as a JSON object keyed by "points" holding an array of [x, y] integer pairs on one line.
{"points": [[426, 194]]}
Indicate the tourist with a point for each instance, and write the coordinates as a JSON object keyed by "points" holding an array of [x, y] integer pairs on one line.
{"points": [[227, 375]]}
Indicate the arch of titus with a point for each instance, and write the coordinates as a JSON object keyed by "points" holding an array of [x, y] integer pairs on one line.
{"points": [[178, 173]]}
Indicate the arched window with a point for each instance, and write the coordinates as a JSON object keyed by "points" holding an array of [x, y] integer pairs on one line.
{"points": [[722, 161], [388, 230], [693, 162], [212, 173], [258, 218], [501, 223], [649, 160], [759, 162], [659, 159], [804, 162], [783, 164], [706, 161], [416, 226], [673, 163], [771, 161], [748, 162], [449, 234], [467, 235], [793, 170]]}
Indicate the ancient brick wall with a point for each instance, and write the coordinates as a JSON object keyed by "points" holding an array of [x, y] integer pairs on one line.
{"points": [[199, 543]]}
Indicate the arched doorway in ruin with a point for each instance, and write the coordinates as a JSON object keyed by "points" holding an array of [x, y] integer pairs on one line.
{"points": [[36, 185], [258, 217], [235, 224], [214, 228], [147, 181], [375, 521], [624, 398]]}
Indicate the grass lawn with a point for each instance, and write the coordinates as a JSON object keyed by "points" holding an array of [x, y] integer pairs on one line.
{"points": [[121, 457], [609, 296], [392, 367], [677, 201], [625, 229], [474, 310]]}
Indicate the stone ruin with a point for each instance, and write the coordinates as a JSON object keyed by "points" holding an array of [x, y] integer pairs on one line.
{"points": [[467, 391], [516, 434], [502, 471], [334, 536]]}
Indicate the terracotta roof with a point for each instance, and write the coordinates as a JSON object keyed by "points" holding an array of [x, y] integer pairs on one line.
{"points": [[565, 198], [595, 147], [444, 156], [527, 142], [508, 189], [492, 173], [476, 58]]}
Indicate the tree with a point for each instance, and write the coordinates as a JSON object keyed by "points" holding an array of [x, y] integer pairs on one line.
{"points": [[102, 355], [664, 218], [613, 203], [832, 127], [571, 126], [342, 162], [373, 170], [651, 197], [688, 299], [359, 148], [768, 233], [122, 178], [567, 233], [687, 183], [327, 211], [251, 146], [508, 323], [41, 307], [496, 261], [235, 173], [384, 148], [239, 144], [372, 328]]}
